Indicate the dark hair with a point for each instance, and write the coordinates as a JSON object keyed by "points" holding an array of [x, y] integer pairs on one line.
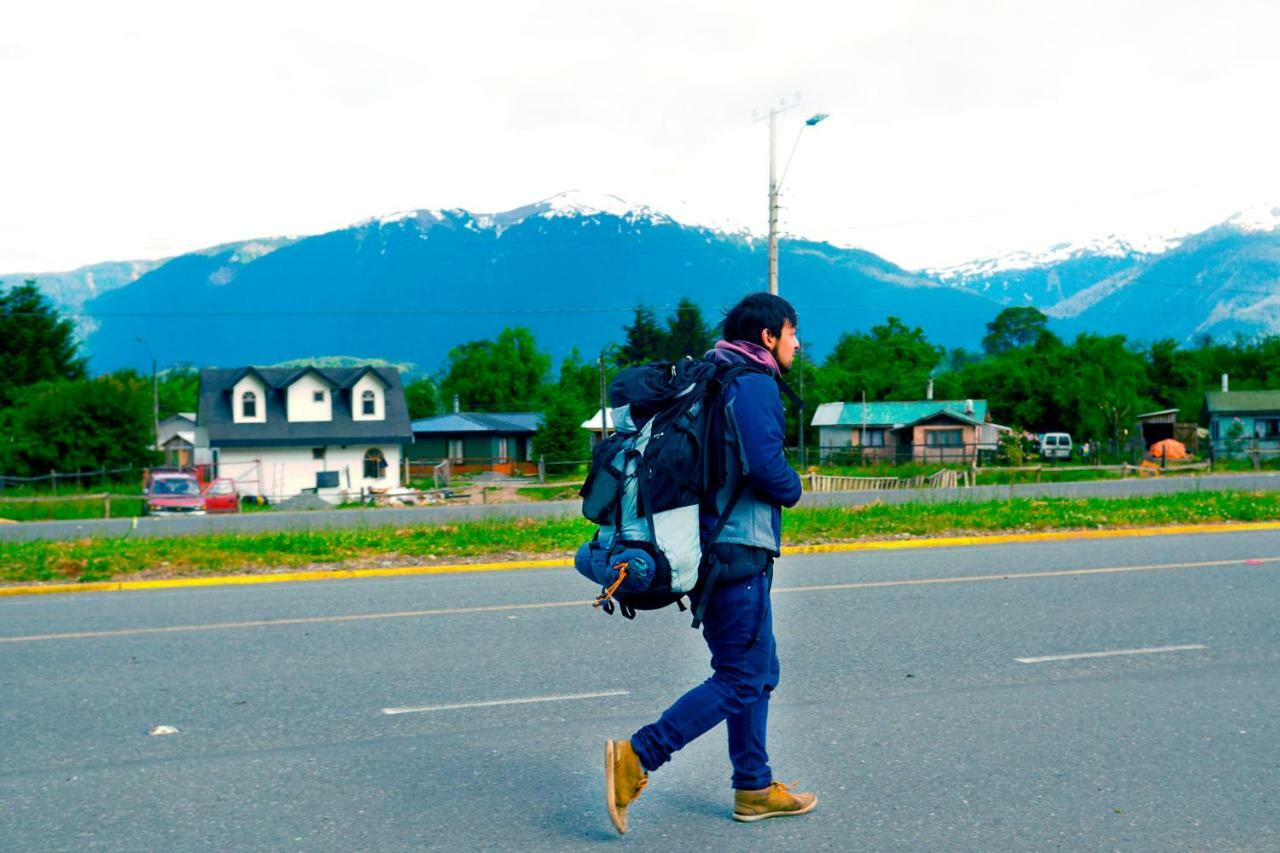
{"points": [[755, 313]]}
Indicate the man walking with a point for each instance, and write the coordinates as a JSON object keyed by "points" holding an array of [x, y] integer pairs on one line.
{"points": [[759, 331]]}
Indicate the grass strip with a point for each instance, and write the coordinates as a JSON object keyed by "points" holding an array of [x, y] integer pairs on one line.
{"points": [[89, 560]]}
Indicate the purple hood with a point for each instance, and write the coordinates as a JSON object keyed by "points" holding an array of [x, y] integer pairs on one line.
{"points": [[751, 353]]}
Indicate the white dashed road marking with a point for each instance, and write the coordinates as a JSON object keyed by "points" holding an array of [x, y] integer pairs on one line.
{"points": [[425, 708], [1116, 652]]}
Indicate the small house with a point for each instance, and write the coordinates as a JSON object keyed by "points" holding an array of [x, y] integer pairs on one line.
{"points": [[1242, 422], [478, 441], [279, 432], [910, 431]]}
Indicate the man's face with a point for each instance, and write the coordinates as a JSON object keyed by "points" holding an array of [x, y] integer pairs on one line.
{"points": [[783, 346]]}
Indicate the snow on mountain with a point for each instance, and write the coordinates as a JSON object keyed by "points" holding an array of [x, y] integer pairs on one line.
{"points": [[571, 204], [1111, 246], [1263, 217]]}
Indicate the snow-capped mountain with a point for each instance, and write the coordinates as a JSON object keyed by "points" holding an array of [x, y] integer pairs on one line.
{"points": [[1221, 281], [411, 285]]}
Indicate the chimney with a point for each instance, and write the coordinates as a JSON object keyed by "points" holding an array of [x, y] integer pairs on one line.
{"points": [[928, 391], [455, 404], [968, 407], [1225, 389]]}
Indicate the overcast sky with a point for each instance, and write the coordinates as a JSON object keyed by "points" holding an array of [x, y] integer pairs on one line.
{"points": [[957, 130]]}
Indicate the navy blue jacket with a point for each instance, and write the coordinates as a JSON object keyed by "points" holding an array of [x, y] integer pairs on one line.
{"points": [[753, 427]]}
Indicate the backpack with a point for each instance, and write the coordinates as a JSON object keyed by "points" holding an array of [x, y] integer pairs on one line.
{"points": [[649, 482]]}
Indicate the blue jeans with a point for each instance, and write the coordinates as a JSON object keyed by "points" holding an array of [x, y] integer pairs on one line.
{"points": [[745, 673]]}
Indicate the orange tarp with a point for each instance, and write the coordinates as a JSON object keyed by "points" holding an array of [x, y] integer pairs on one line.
{"points": [[1170, 449]]}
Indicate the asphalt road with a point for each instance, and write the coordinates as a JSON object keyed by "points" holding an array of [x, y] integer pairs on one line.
{"points": [[259, 522], [903, 704]]}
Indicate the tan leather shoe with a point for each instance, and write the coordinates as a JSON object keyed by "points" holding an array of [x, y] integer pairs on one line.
{"points": [[624, 779], [773, 801]]}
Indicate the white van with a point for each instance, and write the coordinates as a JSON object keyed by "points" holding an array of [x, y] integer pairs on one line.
{"points": [[1055, 445]]}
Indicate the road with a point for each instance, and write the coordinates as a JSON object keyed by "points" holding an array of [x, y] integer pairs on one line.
{"points": [[260, 522], [915, 699]]}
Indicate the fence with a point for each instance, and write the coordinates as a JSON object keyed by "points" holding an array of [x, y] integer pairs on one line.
{"points": [[53, 477], [947, 478]]}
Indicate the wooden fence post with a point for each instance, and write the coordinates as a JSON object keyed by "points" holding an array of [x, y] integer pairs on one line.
{"points": [[542, 469], [106, 506]]}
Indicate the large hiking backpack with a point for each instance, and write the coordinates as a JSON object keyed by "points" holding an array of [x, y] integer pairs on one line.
{"points": [[649, 481]]}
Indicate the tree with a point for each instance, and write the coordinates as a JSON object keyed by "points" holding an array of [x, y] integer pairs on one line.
{"points": [[687, 333], [497, 376], [891, 362], [75, 425], [178, 390], [645, 342], [35, 343], [423, 398], [1013, 328], [1097, 385], [561, 437]]}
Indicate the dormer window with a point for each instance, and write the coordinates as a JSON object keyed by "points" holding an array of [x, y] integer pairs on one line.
{"points": [[318, 397], [249, 405], [368, 403]]}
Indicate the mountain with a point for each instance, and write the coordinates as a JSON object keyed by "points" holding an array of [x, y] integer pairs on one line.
{"points": [[1219, 282], [409, 286]]}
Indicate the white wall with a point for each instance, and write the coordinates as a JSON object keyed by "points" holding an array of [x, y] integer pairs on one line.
{"points": [[368, 382], [286, 471], [302, 407], [248, 383]]}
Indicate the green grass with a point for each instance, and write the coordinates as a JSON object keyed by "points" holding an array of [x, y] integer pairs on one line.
{"points": [[102, 559], [71, 509], [557, 493]]}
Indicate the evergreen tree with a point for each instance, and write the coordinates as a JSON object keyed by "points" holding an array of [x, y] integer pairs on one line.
{"points": [[687, 333], [646, 341], [561, 437], [35, 343]]}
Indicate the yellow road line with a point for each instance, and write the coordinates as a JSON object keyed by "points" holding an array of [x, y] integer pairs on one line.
{"points": [[463, 568], [547, 605]]}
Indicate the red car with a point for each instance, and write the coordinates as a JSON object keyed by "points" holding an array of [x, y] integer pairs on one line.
{"points": [[173, 494], [220, 496]]}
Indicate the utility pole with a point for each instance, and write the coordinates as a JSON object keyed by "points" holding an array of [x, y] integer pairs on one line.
{"points": [[155, 393], [775, 181]]}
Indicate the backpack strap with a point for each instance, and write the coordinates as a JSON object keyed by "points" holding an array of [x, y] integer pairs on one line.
{"points": [[713, 562]]}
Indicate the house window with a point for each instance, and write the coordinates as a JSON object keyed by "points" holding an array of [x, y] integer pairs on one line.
{"points": [[1267, 428], [249, 404], [368, 402], [317, 396], [944, 438], [502, 450], [874, 438], [455, 449], [375, 466]]}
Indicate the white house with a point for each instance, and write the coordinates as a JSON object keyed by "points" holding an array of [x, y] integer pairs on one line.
{"points": [[281, 431]]}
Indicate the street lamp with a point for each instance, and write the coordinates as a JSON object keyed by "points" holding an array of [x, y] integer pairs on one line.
{"points": [[775, 183]]}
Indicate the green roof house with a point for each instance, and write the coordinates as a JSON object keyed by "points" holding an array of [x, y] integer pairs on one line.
{"points": [[1242, 422], [912, 431]]}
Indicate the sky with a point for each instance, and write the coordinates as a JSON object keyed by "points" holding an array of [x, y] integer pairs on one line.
{"points": [[957, 130]]}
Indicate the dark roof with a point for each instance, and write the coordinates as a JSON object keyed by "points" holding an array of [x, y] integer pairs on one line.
{"points": [[518, 423], [215, 413]]}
